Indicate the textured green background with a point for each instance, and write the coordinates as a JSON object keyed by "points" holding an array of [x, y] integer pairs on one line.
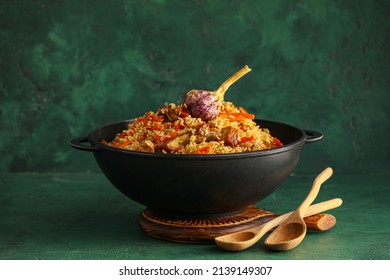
{"points": [[67, 67]]}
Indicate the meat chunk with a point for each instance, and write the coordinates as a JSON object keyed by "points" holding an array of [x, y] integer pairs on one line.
{"points": [[212, 137], [173, 145], [230, 136], [170, 115]]}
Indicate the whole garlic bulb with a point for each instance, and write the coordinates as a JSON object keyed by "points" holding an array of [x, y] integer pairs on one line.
{"points": [[203, 104], [207, 104]]}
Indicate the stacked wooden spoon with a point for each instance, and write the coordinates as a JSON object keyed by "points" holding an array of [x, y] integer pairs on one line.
{"points": [[290, 228]]}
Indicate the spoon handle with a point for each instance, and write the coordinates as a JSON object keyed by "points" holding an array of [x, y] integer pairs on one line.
{"points": [[310, 211], [323, 206], [321, 178], [320, 222]]}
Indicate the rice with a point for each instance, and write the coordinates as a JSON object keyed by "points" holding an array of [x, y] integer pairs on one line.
{"points": [[172, 129]]}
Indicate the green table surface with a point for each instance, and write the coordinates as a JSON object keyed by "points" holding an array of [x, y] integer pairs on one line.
{"points": [[83, 217]]}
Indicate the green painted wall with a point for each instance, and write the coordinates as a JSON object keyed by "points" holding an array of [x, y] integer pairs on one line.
{"points": [[67, 67]]}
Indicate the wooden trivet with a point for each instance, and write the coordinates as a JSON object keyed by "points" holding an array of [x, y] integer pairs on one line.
{"points": [[200, 230]]}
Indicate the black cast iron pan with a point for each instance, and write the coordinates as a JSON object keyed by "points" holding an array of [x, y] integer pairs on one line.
{"points": [[197, 185]]}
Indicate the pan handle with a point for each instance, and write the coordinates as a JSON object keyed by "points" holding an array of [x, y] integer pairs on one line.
{"points": [[77, 144], [313, 136]]}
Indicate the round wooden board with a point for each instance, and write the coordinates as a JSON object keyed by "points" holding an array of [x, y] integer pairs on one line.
{"points": [[200, 230]]}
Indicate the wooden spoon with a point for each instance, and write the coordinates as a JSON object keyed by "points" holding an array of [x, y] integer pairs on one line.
{"points": [[242, 240], [292, 231]]}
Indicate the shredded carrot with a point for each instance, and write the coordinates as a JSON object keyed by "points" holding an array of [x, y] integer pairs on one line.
{"points": [[237, 119], [142, 120], [164, 138], [156, 118], [246, 139], [157, 127], [184, 114], [181, 113], [277, 142], [178, 126], [237, 116], [204, 150], [124, 144]]}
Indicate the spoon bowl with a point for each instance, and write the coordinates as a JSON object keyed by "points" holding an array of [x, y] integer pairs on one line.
{"points": [[288, 237], [292, 231]]}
